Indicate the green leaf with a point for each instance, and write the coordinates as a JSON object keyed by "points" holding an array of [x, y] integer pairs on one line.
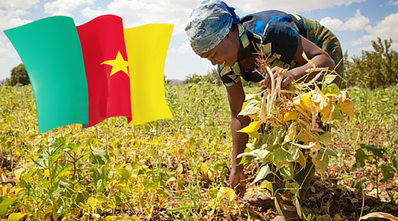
{"points": [[329, 79], [388, 173], [246, 159], [266, 139], [74, 147], [264, 171], [294, 187], [280, 154], [16, 216], [302, 160], [337, 115], [376, 151], [250, 108], [4, 204], [48, 157], [80, 197], [124, 173], [321, 162], [280, 135], [325, 138], [263, 153], [331, 90], [101, 198], [99, 156], [331, 152], [179, 169], [267, 185], [360, 157], [29, 174], [293, 154], [287, 171], [95, 174]]}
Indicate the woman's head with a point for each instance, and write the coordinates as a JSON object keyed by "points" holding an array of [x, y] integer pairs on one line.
{"points": [[226, 52], [209, 23]]}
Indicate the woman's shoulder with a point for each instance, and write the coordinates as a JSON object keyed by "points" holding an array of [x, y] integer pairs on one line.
{"points": [[272, 22]]}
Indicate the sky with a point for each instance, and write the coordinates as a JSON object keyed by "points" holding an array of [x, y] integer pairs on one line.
{"points": [[355, 22]]}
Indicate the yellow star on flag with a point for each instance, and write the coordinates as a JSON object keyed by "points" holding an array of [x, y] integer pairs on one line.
{"points": [[119, 64]]}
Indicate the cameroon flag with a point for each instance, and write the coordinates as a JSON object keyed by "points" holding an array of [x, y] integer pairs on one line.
{"points": [[88, 73]]}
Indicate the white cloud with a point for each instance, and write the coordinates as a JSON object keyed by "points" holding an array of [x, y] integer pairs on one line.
{"points": [[385, 29], [11, 13], [8, 58], [64, 7], [393, 2], [332, 23], [11, 20], [185, 48], [358, 22], [139, 12], [91, 13], [20, 4], [292, 6], [3, 50]]}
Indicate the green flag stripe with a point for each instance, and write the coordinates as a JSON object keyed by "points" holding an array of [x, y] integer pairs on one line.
{"points": [[51, 52]]}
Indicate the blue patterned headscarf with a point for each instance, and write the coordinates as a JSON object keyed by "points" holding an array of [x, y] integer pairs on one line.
{"points": [[208, 24]]}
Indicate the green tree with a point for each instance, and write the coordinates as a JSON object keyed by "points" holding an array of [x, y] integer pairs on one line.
{"points": [[19, 75], [374, 69], [214, 77], [5, 82]]}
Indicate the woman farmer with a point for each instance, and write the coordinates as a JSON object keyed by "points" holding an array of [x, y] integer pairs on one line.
{"points": [[216, 33]]}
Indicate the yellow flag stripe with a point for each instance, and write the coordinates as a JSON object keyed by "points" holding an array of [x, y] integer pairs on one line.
{"points": [[146, 51]]}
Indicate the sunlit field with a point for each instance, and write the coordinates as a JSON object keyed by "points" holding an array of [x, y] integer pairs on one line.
{"points": [[177, 169]]}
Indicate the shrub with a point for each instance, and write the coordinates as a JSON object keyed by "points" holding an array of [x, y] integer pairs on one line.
{"points": [[19, 75], [374, 69]]}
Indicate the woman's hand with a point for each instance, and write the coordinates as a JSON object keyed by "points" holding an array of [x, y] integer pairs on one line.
{"points": [[287, 77]]}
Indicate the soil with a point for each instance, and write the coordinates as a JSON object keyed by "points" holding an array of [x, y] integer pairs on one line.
{"points": [[330, 201], [337, 197]]}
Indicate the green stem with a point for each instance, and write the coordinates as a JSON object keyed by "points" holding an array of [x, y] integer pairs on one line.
{"points": [[377, 180]]}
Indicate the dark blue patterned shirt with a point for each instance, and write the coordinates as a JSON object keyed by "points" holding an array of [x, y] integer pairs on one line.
{"points": [[275, 33]]}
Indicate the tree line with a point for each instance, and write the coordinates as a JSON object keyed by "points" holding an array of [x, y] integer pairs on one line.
{"points": [[372, 69]]}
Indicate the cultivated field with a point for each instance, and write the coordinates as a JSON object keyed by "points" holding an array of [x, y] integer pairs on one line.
{"points": [[177, 169]]}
